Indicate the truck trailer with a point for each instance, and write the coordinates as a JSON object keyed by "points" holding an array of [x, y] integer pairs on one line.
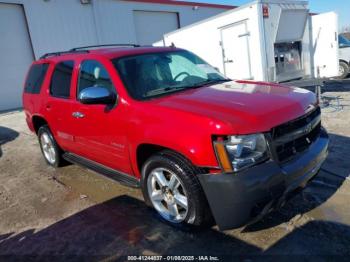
{"points": [[265, 40]]}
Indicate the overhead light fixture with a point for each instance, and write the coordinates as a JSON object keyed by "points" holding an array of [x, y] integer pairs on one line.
{"points": [[85, 2]]}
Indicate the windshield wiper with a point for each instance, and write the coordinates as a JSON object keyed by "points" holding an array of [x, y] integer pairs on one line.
{"points": [[161, 91], [209, 82]]}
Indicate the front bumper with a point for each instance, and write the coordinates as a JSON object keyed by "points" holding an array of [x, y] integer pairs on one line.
{"points": [[238, 199]]}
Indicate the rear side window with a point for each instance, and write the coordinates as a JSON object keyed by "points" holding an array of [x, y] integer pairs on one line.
{"points": [[35, 78], [61, 79]]}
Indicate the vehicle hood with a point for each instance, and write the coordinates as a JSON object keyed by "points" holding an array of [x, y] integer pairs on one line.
{"points": [[243, 107]]}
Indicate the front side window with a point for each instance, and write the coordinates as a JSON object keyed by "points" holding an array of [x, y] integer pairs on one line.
{"points": [[93, 74], [151, 75], [35, 78], [61, 79]]}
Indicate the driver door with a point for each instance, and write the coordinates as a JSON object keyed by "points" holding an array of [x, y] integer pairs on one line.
{"points": [[99, 130]]}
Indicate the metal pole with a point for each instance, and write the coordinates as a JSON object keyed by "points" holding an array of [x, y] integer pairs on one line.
{"points": [[318, 90]]}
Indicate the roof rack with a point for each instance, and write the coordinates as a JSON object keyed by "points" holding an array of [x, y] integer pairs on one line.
{"points": [[81, 49], [62, 53], [93, 46]]}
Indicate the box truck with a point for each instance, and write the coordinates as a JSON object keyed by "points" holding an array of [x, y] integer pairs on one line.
{"points": [[265, 40]]}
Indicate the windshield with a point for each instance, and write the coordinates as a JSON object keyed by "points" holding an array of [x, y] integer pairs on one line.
{"points": [[343, 41], [156, 74]]}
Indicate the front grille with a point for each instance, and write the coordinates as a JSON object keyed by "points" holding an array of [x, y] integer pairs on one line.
{"points": [[296, 136]]}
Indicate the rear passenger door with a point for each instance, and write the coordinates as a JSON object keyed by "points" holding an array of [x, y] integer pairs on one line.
{"points": [[59, 103], [99, 131]]}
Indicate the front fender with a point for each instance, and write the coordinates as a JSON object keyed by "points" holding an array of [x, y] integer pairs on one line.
{"points": [[185, 133]]}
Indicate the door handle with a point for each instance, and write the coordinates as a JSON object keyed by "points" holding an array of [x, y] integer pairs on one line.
{"points": [[245, 34], [78, 115], [228, 61]]}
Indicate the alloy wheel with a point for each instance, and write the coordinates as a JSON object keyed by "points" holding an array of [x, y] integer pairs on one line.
{"points": [[48, 148], [167, 195]]}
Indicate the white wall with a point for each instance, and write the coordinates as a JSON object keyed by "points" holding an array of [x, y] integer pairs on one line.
{"points": [[146, 21], [112, 25], [16, 55], [56, 25]]}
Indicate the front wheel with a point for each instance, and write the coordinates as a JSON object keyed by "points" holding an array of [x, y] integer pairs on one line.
{"points": [[170, 186], [343, 70]]}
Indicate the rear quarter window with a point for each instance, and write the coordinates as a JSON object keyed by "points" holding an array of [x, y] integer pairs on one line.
{"points": [[35, 78]]}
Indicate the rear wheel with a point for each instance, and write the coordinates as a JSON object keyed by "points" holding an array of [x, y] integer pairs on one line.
{"points": [[343, 70], [51, 151], [170, 186]]}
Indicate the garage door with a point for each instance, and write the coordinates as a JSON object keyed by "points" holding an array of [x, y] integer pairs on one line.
{"points": [[151, 26], [15, 55]]}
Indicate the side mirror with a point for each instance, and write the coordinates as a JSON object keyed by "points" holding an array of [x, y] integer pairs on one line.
{"points": [[97, 95]]}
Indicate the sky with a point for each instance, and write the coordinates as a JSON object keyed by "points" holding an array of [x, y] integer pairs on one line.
{"points": [[342, 7]]}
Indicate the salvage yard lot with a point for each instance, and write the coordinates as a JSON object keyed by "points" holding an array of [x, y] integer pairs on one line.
{"points": [[73, 211]]}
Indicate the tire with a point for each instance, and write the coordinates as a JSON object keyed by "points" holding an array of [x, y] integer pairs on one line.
{"points": [[49, 148], [343, 70], [170, 164]]}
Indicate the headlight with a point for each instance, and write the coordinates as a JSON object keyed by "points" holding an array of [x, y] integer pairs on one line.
{"points": [[238, 152]]}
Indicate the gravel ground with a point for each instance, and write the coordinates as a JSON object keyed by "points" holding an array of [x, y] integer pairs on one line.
{"points": [[73, 213]]}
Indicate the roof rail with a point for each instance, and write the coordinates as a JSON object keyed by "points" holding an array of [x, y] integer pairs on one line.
{"points": [[81, 49], [62, 53], [92, 46]]}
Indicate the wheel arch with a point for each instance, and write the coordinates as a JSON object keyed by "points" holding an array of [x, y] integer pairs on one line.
{"points": [[38, 121], [145, 150], [344, 61]]}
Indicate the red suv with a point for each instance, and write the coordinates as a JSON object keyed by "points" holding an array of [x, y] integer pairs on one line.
{"points": [[199, 145]]}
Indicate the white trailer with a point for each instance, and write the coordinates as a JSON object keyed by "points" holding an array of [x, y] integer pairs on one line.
{"points": [[266, 40]]}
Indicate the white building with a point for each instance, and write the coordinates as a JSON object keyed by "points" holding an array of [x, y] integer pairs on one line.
{"points": [[30, 28]]}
